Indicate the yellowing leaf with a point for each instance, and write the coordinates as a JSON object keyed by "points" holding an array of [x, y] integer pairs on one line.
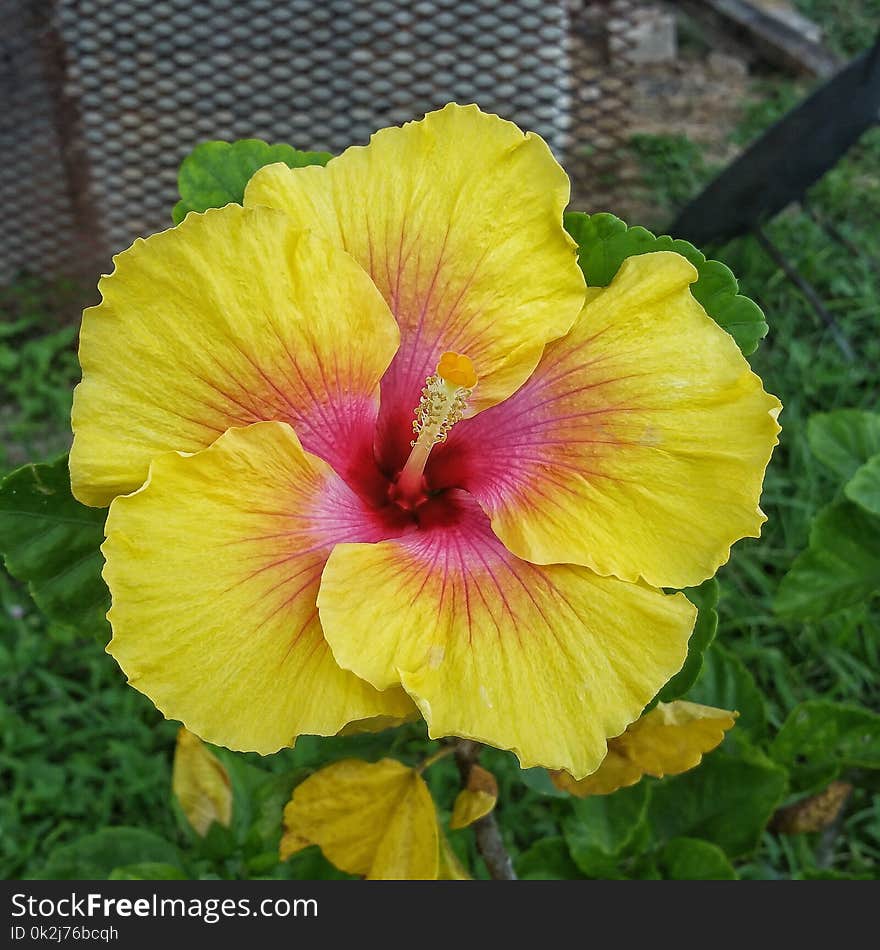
{"points": [[470, 807], [475, 801], [671, 738], [375, 819], [450, 869], [201, 783], [291, 842]]}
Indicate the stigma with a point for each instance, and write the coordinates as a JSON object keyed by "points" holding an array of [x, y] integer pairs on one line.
{"points": [[443, 403]]}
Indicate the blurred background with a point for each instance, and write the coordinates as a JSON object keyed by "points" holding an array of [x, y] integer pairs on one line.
{"points": [[644, 104]]}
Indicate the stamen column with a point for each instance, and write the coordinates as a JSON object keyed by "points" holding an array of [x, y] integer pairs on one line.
{"points": [[443, 402]]}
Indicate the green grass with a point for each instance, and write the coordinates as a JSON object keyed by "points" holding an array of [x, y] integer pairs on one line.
{"points": [[849, 25], [673, 170], [78, 749], [839, 657], [38, 369]]}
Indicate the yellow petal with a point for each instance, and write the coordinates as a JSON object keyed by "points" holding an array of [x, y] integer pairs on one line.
{"points": [[231, 318], [458, 220], [616, 771], [213, 567], [546, 661], [375, 819], [475, 801], [670, 739], [673, 737], [639, 445], [201, 784], [359, 727]]}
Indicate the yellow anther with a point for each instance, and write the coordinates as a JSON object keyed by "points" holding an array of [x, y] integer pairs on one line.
{"points": [[442, 404], [457, 369]]}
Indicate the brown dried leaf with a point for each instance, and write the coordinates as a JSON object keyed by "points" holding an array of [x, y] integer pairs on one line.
{"points": [[812, 813], [476, 800]]}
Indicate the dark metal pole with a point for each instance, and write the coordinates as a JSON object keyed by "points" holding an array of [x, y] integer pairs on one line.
{"points": [[809, 292]]}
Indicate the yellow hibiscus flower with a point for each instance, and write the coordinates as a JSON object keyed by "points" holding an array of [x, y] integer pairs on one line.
{"points": [[285, 558]]}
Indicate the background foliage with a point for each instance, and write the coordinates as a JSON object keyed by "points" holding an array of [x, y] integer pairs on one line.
{"points": [[85, 761]]}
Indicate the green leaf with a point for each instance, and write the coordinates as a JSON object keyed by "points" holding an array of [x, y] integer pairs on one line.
{"points": [[605, 242], [840, 568], [316, 751], [263, 864], [844, 439], [827, 874], [252, 789], [725, 682], [864, 487], [819, 738], [691, 859], [602, 827], [216, 844], [727, 800], [267, 808], [645, 868], [96, 856], [547, 860], [705, 598], [216, 173], [52, 543], [147, 871]]}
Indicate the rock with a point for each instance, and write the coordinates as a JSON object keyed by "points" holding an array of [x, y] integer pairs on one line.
{"points": [[722, 65], [652, 37]]}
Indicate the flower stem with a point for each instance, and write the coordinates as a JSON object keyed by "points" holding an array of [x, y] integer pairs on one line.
{"points": [[486, 830], [436, 757]]}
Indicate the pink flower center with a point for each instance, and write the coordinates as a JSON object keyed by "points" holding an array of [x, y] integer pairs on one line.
{"points": [[403, 495]]}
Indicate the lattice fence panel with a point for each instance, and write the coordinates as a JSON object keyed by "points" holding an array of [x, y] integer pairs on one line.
{"points": [[101, 99]]}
